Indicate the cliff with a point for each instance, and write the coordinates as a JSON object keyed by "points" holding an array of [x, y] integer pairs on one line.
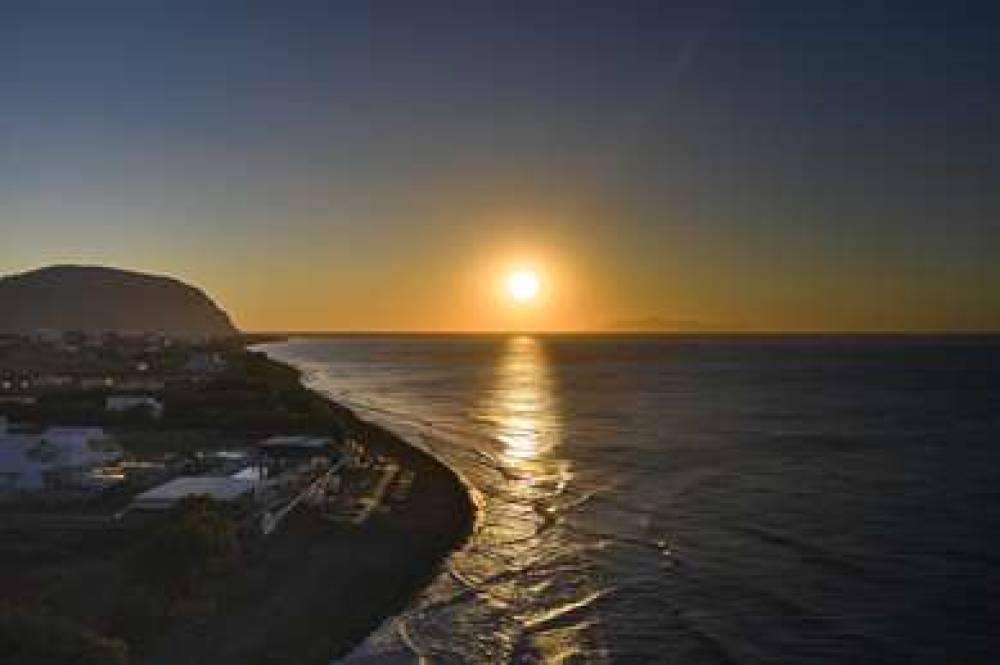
{"points": [[96, 299]]}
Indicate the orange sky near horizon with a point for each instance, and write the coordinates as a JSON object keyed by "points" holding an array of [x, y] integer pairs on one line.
{"points": [[326, 274], [459, 286]]}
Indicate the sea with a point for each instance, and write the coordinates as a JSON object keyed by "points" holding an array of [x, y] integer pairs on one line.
{"points": [[695, 499]]}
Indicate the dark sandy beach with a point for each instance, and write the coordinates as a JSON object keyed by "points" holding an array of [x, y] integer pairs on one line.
{"points": [[313, 590]]}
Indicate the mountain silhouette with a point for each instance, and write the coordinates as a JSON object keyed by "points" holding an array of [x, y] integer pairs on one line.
{"points": [[100, 299]]}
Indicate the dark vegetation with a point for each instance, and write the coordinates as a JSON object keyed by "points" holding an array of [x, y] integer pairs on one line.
{"points": [[197, 539], [36, 637], [253, 395], [190, 586], [165, 562]]}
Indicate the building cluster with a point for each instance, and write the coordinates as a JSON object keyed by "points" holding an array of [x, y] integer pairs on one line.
{"points": [[46, 363], [56, 458], [265, 478], [264, 484], [97, 379], [116, 373], [132, 371]]}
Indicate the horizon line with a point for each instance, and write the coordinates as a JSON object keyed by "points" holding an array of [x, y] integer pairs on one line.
{"points": [[611, 332]]}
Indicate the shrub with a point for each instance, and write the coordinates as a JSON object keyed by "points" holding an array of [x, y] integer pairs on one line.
{"points": [[137, 615], [38, 638], [198, 539]]}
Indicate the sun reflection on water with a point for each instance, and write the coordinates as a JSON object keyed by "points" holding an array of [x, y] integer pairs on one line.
{"points": [[550, 596], [525, 588], [522, 405]]}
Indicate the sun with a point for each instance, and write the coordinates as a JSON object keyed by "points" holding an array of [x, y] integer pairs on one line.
{"points": [[522, 285]]}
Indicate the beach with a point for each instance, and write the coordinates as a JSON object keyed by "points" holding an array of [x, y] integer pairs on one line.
{"points": [[314, 590]]}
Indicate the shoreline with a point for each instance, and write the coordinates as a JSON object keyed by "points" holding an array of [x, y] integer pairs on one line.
{"points": [[322, 589], [438, 518], [462, 528]]}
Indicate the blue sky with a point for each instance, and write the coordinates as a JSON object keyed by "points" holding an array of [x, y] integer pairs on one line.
{"points": [[767, 165]]}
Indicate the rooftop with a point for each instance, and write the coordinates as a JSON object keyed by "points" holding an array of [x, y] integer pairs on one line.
{"points": [[218, 488], [84, 431], [299, 442]]}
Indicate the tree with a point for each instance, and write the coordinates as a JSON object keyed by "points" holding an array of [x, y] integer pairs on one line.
{"points": [[35, 637], [197, 540]]}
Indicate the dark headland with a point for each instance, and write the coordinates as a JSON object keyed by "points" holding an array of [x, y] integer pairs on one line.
{"points": [[99, 299], [83, 587]]}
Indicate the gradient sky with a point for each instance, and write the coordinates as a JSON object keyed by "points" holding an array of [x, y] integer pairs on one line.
{"points": [[377, 165]]}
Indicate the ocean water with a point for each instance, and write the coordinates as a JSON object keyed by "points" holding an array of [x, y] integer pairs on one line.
{"points": [[696, 499]]}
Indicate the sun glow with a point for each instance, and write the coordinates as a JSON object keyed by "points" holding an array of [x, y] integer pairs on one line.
{"points": [[522, 285]]}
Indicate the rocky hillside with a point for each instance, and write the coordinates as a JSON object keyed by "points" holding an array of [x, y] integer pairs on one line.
{"points": [[95, 299]]}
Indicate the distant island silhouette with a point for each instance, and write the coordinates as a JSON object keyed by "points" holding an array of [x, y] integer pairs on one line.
{"points": [[663, 324], [102, 299]]}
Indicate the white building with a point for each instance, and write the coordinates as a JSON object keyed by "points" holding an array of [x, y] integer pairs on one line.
{"points": [[219, 488], [23, 400], [47, 335], [53, 381], [19, 471], [296, 445], [59, 457], [81, 446], [120, 403], [96, 382]]}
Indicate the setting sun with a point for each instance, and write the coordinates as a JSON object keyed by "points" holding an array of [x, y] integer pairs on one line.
{"points": [[522, 285]]}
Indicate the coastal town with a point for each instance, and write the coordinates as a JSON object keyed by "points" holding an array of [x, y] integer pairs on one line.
{"points": [[147, 483], [75, 410]]}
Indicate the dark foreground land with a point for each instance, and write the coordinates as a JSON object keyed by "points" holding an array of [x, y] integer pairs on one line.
{"points": [[77, 589], [315, 589]]}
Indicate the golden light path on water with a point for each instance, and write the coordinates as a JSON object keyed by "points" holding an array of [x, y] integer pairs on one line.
{"points": [[524, 588], [522, 403], [524, 413]]}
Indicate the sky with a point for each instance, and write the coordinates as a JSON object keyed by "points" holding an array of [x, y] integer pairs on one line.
{"points": [[383, 165]]}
